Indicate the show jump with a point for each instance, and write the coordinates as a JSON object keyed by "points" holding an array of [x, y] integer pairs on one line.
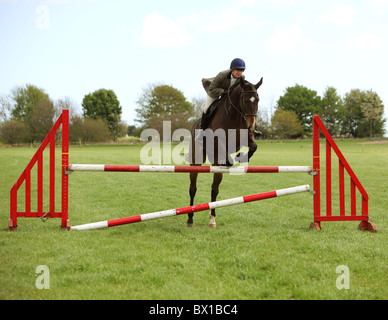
{"points": [[358, 211]]}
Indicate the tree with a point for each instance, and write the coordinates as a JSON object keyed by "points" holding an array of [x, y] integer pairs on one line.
{"points": [[5, 107], [40, 120], [198, 106], [285, 124], [363, 114], [131, 131], [25, 99], [304, 102], [332, 107], [122, 129], [31, 106], [263, 123], [160, 103], [373, 110], [66, 103], [88, 130], [352, 115], [13, 132], [103, 104]]}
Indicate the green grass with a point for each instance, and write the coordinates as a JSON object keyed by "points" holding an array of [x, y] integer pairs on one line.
{"points": [[261, 250]]}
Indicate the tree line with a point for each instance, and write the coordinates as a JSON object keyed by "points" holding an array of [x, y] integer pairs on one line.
{"points": [[359, 114], [28, 113]]}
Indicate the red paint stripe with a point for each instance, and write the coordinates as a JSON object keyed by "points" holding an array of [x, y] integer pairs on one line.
{"points": [[121, 168], [260, 196], [191, 169], [196, 208], [128, 220]]}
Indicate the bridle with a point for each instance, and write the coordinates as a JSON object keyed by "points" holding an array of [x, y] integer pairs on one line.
{"points": [[244, 115]]}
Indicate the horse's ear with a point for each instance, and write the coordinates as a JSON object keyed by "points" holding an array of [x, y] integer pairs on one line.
{"points": [[257, 86]]}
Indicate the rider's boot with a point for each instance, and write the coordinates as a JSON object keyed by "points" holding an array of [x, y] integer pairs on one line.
{"points": [[257, 134]]}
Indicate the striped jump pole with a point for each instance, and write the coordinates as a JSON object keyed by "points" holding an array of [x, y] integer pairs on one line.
{"points": [[185, 169], [191, 209]]}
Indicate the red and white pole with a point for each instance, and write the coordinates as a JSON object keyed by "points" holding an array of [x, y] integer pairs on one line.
{"points": [[191, 209], [185, 169]]}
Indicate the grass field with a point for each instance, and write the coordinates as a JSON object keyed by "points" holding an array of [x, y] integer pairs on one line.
{"points": [[261, 250]]}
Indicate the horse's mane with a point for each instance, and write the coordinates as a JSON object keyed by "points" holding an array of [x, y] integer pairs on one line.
{"points": [[240, 86]]}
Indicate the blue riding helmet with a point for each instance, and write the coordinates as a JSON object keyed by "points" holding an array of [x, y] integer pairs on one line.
{"points": [[237, 64]]}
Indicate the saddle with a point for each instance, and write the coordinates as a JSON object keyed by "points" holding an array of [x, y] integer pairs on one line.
{"points": [[211, 111], [207, 117]]}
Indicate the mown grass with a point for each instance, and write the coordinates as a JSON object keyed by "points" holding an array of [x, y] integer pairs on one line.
{"points": [[261, 250]]}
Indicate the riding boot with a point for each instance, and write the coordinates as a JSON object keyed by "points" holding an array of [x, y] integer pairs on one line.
{"points": [[257, 134]]}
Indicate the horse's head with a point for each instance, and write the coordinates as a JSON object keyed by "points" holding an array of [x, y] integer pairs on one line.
{"points": [[249, 102]]}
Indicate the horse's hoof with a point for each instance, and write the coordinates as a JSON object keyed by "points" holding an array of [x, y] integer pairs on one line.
{"points": [[212, 222], [189, 225]]}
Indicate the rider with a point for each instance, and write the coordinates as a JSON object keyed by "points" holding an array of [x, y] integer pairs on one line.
{"points": [[216, 87]]}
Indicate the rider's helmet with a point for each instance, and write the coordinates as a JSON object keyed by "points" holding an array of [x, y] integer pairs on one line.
{"points": [[237, 64]]}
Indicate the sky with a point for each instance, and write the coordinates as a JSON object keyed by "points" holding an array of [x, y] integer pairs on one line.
{"points": [[71, 48]]}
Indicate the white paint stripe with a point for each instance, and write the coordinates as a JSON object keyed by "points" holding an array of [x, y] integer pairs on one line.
{"points": [[86, 167], [157, 215], [239, 169], [157, 169], [295, 169], [89, 226], [227, 202], [284, 192]]}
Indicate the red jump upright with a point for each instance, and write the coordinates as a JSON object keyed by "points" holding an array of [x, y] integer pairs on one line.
{"points": [[26, 178], [365, 224]]}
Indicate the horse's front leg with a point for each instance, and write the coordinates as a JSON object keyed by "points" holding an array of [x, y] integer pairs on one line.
{"points": [[193, 191], [252, 146], [243, 157], [217, 178]]}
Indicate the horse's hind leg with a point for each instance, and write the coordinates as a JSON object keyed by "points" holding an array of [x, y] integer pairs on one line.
{"points": [[193, 191], [217, 178]]}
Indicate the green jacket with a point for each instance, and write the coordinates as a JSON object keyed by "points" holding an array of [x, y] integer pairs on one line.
{"points": [[215, 87]]}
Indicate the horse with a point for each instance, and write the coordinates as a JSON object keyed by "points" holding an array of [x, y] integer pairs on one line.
{"points": [[236, 115]]}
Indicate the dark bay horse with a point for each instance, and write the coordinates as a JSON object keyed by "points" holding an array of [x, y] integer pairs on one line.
{"points": [[231, 128]]}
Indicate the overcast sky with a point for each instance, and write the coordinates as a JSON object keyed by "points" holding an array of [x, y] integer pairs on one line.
{"points": [[71, 48]]}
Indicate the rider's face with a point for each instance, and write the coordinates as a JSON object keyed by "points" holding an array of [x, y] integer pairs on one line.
{"points": [[237, 73]]}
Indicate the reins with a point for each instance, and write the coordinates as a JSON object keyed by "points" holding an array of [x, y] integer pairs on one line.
{"points": [[241, 103]]}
